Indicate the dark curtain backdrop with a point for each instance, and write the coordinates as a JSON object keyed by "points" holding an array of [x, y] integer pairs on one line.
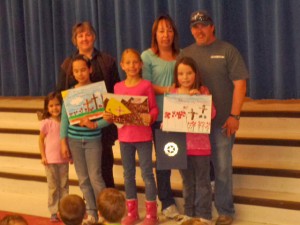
{"points": [[35, 37]]}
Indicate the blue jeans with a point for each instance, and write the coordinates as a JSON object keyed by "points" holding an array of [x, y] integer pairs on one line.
{"points": [[144, 151], [86, 155], [196, 187], [222, 163], [163, 179]]}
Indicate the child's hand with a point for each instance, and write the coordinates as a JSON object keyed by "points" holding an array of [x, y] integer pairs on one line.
{"points": [[194, 92], [108, 117], [44, 161], [146, 117], [71, 161], [65, 151], [85, 122], [204, 90]]}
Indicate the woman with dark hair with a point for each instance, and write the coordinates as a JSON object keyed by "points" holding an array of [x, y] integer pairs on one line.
{"points": [[104, 68], [159, 62]]}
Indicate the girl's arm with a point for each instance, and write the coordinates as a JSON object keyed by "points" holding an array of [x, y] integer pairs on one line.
{"points": [[42, 148], [64, 125], [86, 122], [153, 109], [65, 151], [162, 89]]}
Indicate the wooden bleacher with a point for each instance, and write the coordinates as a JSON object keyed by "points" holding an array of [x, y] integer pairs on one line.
{"points": [[265, 160]]}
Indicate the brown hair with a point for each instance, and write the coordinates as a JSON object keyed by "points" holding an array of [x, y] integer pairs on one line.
{"points": [[175, 44], [12, 219], [50, 96], [189, 62], [72, 209], [111, 205], [81, 27]]}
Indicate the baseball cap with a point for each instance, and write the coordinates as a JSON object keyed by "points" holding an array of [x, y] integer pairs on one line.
{"points": [[202, 17]]}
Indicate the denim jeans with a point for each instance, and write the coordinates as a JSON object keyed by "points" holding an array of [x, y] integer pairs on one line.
{"points": [[163, 179], [196, 187], [144, 151], [58, 184], [222, 162], [86, 155]]}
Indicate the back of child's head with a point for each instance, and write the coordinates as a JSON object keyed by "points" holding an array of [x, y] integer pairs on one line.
{"points": [[72, 209], [111, 205], [13, 220], [48, 98], [191, 63]]}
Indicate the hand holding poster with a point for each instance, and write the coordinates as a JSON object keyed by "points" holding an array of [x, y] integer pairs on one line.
{"points": [[186, 113], [126, 109], [84, 101]]}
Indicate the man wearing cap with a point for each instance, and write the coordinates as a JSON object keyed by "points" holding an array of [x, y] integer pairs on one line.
{"points": [[224, 72]]}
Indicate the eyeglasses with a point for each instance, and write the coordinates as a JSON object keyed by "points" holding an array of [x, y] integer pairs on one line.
{"points": [[200, 17]]}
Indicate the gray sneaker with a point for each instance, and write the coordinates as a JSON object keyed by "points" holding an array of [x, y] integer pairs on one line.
{"points": [[89, 220], [171, 212], [224, 220]]}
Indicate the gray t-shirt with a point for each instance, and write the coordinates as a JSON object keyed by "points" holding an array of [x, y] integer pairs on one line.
{"points": [[220, 63]]}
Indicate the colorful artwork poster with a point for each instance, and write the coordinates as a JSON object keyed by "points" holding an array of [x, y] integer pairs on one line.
{"points": [[84, 101], [126, 109], [186, 113]]}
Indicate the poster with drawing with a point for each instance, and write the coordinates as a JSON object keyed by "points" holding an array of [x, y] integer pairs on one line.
{"points": [[186, 113], [84, 101], [126, 109]]}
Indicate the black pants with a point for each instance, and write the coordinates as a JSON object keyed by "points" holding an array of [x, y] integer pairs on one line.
{"points": [[107, 166]]}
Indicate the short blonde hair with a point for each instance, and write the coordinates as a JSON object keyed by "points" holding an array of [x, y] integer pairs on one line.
{"points": [[81, 27], [136, 53], [111, 205]]}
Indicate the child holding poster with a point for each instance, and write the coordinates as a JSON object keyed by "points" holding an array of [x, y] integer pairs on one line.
{"points": [[83, 144], [138, 139], [196, 178], [56, 167]]}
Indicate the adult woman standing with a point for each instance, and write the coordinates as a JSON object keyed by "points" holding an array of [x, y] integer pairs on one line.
{"points": [[159, 62], [104, 68]]}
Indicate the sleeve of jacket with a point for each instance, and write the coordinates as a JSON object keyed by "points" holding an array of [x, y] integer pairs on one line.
{"points": [[62, 76]]}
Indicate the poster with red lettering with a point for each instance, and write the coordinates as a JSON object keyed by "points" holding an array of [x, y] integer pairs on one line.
{"points": [[187, 113]]}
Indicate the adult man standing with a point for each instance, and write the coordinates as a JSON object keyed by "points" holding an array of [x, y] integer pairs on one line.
{"points": [[224, 72]]}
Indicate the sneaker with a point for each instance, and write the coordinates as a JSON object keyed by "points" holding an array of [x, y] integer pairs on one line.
{"points": [[89, 220], [54, 218], [171, 212], [183, 219], [224, 220]]}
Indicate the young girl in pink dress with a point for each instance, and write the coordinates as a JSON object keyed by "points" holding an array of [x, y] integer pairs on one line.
{"points": [[57, 168], [138, 139], [196, 178]]}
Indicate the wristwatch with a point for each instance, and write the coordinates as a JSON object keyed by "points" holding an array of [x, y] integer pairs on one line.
{"points": [[237, 117]]}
